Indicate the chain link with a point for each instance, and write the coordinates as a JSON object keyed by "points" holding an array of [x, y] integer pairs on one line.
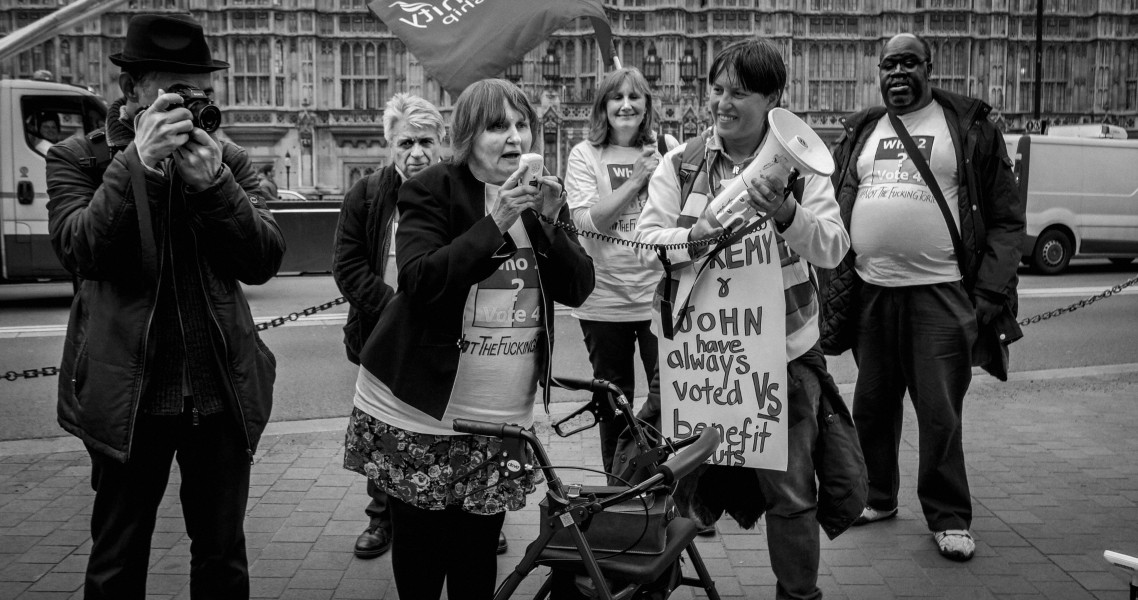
{"points": [[293, 316], [1080, 304], [30, 373], [632, 243]]}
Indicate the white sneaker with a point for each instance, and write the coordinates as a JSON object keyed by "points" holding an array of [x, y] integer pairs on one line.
{"points": [[955, 544], [870, 515]]}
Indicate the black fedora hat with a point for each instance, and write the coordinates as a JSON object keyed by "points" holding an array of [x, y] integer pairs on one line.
{"points": [[168, 42]]}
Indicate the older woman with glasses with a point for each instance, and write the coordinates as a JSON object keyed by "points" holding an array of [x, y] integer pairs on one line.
{"points": [[468, 335]]}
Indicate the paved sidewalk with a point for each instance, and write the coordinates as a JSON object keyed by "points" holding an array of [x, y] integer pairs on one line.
{"points": [[1052, 464]]}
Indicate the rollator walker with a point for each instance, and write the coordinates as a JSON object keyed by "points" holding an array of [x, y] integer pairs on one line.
{"points": [[573, 515]]}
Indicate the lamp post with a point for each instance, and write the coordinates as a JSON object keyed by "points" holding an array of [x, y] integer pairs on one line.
{"points": [[551, 72], [551, 67], [514, 73], [288, 170], [1038, 91], [688, 68], [689, 72], [652, 66]]}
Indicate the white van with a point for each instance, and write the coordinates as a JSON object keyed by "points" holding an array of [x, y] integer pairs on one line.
{"points": [[33, 116], [1082, 198], [1088, 130]]}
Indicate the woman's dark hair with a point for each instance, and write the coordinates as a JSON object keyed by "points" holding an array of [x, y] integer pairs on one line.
{"points": [[483, 104], [756, 64], [599, 129]]}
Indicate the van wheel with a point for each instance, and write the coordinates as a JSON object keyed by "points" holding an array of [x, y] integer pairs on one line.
{"points": [[1052, 252], [1122, 260]]}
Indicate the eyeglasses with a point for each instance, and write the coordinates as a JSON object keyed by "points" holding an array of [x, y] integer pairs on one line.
{"points": [[908, 61]]}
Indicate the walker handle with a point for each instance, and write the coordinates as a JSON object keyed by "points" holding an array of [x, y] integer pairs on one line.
{"points": [[498, 430], [689, 458], [592, 385]]}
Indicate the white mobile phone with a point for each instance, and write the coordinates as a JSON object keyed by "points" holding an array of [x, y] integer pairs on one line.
{"points": [[534, 166]]}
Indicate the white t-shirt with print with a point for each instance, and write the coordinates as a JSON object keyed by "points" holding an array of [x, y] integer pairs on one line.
{"points": [[502, 338], [897, 228], [624, 286]]}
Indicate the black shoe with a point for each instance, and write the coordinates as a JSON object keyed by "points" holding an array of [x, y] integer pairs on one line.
{"points": [[373, 542], [503, 545]]}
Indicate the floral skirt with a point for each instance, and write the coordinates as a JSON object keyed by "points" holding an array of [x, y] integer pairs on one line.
{"points": [[417, 468]]}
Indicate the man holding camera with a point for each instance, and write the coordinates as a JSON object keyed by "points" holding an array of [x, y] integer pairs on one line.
{"points": [[162, 361]]}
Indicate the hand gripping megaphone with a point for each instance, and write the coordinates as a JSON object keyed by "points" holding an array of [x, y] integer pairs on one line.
{"points": [[790, 144]]}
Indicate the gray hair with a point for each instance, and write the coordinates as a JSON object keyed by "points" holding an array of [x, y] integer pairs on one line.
{"points": [[415, 112]]}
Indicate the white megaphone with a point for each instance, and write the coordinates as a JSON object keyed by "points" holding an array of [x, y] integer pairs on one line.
{"points": [[790, 144]]}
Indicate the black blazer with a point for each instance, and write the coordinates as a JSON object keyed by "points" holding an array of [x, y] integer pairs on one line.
{"points": [[445, 244]]}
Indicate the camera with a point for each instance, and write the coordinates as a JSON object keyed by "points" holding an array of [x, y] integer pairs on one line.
{"points": [[206, 115], [1121, 560]]}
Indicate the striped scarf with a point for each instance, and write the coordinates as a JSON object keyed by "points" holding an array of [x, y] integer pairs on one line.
{"points": [[798, 288]]}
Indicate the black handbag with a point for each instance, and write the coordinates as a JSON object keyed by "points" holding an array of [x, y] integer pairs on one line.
{"points": [[635, 526]]}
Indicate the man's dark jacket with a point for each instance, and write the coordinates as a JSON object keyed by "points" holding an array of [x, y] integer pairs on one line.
{"points": [[109, 347], [992, 215], [446, 243], [363, 239]]}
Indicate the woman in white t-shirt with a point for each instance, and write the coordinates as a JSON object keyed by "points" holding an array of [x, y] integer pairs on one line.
{"points": [[607, 184]]}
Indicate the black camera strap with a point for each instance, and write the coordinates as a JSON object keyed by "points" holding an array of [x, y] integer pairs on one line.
{"points": [[148, 246], [927, 173]]}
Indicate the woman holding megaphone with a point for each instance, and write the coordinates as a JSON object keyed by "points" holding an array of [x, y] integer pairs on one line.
{"points": [[746, 82]]}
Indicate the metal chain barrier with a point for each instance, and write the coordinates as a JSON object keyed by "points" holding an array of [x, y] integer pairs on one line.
{"points": [[293, 316], [621, 241], [1080, 304], [30, 373], [311, 310], [275, 322], [632, 243]]}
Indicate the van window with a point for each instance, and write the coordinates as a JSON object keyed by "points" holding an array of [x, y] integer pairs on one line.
{"points": [[50, 119]]}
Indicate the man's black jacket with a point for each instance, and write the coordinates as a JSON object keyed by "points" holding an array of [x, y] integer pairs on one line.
{"points": [[108, 351], [363, 239], [992, 214]]}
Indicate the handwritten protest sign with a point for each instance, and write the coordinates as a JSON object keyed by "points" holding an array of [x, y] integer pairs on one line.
{"points": [[725, 368]]}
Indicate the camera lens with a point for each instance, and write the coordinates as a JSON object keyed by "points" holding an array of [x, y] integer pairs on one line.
{"points": [[209, 118]]}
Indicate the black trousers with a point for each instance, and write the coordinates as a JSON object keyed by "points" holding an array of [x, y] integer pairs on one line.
{"points": [[215, 468], [432, 545], [612, 352], [916, 339]]}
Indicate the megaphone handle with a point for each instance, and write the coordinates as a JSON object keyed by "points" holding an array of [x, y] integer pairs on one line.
{"points": [[790, 181]]}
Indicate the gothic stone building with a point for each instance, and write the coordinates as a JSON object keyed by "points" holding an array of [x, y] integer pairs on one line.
{"points": [[309, 77]]}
